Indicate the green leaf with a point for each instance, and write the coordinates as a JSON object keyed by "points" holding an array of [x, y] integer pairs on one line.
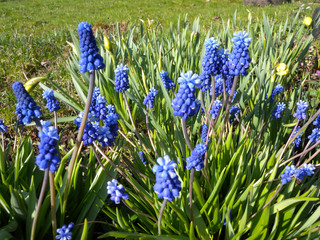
{"points": [[84, 235]]}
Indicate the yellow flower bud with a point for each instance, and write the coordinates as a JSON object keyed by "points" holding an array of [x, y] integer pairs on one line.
{"points": [[282, 69], [307, 21], [107, 43]]}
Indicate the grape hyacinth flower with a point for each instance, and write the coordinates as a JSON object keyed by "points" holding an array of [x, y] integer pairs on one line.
{"points": [[167, 82], [239, 58], [205, 79], [185, 104], [315, 135], [98, 105], [3, 128], [121, 79], [215, 109], [305, 170], [149, 99], [52, 103], [289, 172], [26, 109], [116, 191], [301, 110], [278, 89], [64, 233], [141, 156], [316, 122], [297, 140], [279, 109], [90, 130], [167, 184], [204, 132], [90, 58], [234, 111], [48, 153], [190, 79], [211, 59], [197, 157]]}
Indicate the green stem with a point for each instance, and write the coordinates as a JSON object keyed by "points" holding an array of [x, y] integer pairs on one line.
{"points": [[2, 163], [77, 147], [149, 134], [161, 214], [36, 215], [190, 193]]}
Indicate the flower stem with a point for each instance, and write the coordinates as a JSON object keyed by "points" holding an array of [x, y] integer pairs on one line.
{"points": [[36, 215], [275, 194], [53, 204], [53, 192], [161, 214], [77, 147], [185, 134], [190, 193], [2, 163], [226, 118], [149, 134], [99, 161]]}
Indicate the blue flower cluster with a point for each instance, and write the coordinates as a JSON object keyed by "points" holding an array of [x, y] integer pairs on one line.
{"points": [[239, 58], [301, 110], [3, 128], [121, 81], [278, 89], [215, 109], [26, 108], [116, 191], [48, 153], [149, 99], [204, 132], [90, 58], [197, 157], [167, 184], [297, 140], [102, 122], [316, 122], [185, 103], [52, 103], [298, 173], [64, 233], [279, 109], [211, 57], [167, 82], [141, 156], [205, 79], [234, 111], [315, 135]]}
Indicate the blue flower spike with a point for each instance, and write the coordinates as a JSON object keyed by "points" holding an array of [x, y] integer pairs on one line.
{"points": [[52, 103], [90, 58], [215, 109], [116, 191], [26, 109], [167, 184], [167, 82], [48, 157], [64, 233], [301, 110], [197, 157], [239, 58], [3, 128], [121, 79], [141, 156], [149, 99], [279, 109]]}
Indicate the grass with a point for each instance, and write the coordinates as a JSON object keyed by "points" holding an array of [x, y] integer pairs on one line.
{"points": [[33, 33]]}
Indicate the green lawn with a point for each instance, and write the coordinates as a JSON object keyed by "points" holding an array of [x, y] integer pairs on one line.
{"points": [[34, 33]]}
